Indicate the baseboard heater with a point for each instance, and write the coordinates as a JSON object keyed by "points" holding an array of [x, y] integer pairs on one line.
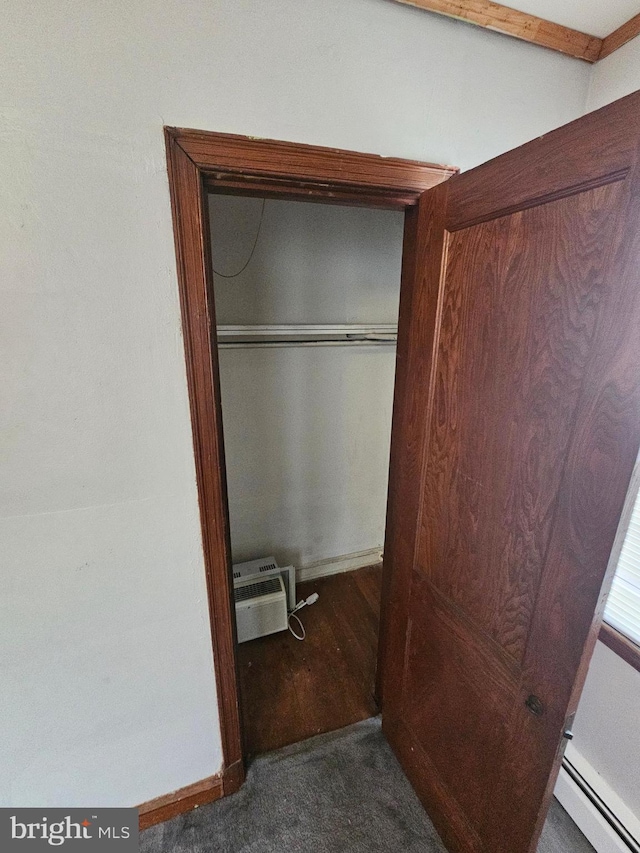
{"points": [[598, 803]]}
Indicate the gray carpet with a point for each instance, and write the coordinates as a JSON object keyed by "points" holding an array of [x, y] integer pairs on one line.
{"points": [[337, 793]]}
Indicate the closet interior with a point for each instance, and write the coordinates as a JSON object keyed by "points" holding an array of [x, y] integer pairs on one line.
{"points": [[306, 300]]}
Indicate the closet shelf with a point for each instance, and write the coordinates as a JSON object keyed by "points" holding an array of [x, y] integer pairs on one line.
{"points": [[307, 335]]}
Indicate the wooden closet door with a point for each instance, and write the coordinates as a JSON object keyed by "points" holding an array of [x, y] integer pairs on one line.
{"points": [[516, 429]]}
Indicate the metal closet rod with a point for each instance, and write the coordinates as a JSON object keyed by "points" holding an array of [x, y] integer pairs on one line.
{"points": [[289, 335]]}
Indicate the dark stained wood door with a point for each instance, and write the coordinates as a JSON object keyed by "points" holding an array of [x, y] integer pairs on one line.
{"points": [[516, 428]]}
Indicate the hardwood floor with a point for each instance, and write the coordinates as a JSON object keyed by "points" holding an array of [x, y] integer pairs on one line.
{"points": [[291, 689]]}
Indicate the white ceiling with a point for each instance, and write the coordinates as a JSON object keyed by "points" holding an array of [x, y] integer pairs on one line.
{"points": [[596, 17]]}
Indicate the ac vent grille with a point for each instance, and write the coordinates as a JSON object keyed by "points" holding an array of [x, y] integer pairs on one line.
{"points": [[237, 575], [257, 589], [268, 567]]}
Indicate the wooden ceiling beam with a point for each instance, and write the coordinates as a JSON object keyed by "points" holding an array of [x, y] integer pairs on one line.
{"points": [[503, 19], [520, 25], [620, 37]]}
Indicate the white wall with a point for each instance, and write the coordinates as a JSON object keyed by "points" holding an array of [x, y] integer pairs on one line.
{"points": [[313, 263], [306, 430], [616, 76], [107, 695], [606, 726]]}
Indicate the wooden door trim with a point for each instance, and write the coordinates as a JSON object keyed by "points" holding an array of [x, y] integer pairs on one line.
{"points": [[200, 162], [230, 163], [423, 262]]}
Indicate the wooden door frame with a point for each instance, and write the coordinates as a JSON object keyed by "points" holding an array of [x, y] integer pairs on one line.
{"points": [[201, 162]]}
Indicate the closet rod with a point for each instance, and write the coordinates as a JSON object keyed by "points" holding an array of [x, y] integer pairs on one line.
{"points": [[384, 334], [317, 343]]}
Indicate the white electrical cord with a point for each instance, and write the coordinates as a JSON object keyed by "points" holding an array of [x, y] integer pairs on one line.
{"points": [[294, 615]]}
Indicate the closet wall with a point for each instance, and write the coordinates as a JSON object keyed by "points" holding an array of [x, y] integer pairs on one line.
{"points": [[306, 428]]}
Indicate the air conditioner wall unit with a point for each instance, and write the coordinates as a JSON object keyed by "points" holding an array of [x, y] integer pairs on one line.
{"points": [[267, 567], [261, 606]]}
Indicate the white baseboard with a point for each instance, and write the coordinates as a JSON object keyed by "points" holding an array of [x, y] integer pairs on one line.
{"points": [[337, 565], [584, 813]]}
